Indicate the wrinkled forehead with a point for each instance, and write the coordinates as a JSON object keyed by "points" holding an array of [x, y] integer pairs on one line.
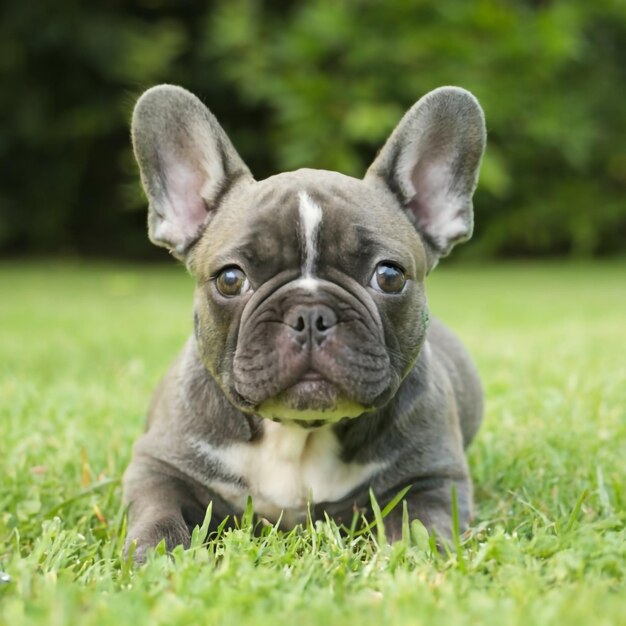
{"points": [[308, 201], [306, 221]]}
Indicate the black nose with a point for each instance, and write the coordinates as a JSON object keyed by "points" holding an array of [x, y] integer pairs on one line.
{"points": [[315, 320]]}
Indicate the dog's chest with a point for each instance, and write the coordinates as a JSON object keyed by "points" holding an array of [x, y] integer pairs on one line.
{"points": [[288, 468]]}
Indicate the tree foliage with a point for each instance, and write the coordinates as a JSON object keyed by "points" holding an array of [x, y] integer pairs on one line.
{"points": [[317, 83]]}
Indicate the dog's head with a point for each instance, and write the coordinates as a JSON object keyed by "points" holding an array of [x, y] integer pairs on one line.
{"points": [[310, 302]]}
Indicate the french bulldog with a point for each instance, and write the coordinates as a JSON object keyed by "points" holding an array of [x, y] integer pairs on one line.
{"points": [[312, 374]]}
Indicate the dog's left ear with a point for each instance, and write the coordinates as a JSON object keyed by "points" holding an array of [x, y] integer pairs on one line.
{"points": [[431, 162]]}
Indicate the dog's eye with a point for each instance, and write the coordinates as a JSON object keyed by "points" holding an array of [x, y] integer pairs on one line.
{"points": [[232, 281], [388, 278]]}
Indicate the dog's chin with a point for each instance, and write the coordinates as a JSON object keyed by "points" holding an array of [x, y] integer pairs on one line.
{"points": [[316, 401]]}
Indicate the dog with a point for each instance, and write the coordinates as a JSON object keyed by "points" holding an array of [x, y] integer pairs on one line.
{"points": [[313, 374]]}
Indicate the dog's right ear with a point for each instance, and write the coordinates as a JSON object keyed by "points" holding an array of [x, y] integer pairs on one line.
{"points": [[187, 163]]}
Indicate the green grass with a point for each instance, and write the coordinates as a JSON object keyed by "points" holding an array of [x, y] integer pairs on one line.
{"points": [[81, 348]]}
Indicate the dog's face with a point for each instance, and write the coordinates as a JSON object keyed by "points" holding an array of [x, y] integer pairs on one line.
{"points": [[310, 302], [310, 298]]}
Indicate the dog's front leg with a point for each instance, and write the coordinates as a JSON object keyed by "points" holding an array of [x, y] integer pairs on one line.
{"points": [[432, 504], [161, 507]]}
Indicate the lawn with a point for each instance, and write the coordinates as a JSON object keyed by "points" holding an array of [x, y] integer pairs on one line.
{"points": [[82, 346]]}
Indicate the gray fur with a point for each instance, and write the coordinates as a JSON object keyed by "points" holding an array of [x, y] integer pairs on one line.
{"points": [[418, 396]]}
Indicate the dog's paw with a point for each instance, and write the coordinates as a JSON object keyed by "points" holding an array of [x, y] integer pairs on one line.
{"points": [[172, 530]]}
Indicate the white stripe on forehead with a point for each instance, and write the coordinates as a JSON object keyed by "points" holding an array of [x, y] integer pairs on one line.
{"points": [[310, 220]]}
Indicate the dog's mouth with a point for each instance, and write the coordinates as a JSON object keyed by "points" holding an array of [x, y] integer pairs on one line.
{"points": [[311, 399], [311, 375]]}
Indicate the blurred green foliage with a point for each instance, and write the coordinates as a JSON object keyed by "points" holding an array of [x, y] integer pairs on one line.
{"points": [[316, 83]]}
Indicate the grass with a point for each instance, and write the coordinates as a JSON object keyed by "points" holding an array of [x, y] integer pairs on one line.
{"points": [[81, 348]]}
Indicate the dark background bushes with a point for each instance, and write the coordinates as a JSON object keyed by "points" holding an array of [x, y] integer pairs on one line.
{"points": [[318, 83]]}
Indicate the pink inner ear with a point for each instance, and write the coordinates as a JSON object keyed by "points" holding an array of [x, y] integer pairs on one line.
{"points": [[184, 209], [439, 210], [185, 190]]}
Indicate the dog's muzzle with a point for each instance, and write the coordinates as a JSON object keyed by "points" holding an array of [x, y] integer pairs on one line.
{"points": [[310, 357]]}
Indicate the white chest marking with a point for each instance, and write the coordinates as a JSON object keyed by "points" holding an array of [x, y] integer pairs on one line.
{"points": [[285, 470], [310, 220]]}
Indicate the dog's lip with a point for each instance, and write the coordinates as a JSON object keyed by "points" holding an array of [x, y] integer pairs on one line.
{"points": [[312, 375]]}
